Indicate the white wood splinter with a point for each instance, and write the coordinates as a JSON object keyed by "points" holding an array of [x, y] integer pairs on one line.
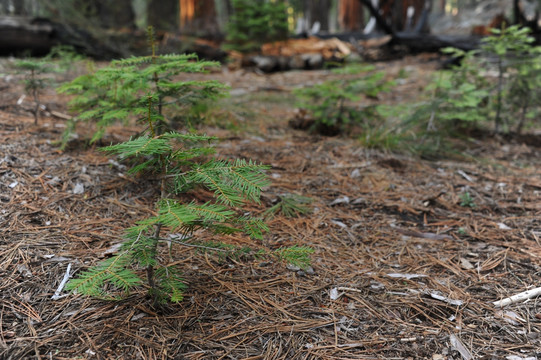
{"points": [[518, 297]]}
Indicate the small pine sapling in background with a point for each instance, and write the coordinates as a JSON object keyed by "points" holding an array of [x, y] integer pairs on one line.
{"points": [[177, 161], [509, 46], [113, 93], [467, 97], [515, 51], [254, 23], [60, 59], [333, 103], [35, 81], [65, 59]]}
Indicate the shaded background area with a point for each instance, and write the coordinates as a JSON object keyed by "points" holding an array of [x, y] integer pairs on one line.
{"points": [[111, 28]]}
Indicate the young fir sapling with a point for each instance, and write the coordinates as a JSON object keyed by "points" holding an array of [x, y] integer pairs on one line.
{"points": [[35, 81], [37, 72], [254, 23], [176, 161], [466, 96], [333, 103]]}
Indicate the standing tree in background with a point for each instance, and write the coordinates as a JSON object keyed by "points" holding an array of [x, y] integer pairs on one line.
{"points": [[350, 15], [115, 14], [199, 17], [318, 11], [254, 23], [163, 15]]}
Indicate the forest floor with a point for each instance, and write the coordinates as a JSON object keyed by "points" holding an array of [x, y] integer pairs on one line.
{"points": [[400, 270]]}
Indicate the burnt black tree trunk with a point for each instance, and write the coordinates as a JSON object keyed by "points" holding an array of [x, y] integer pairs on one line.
{"points": [[379, 19]]}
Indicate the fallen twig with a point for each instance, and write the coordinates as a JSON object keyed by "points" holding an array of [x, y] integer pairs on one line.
{"points": [[57, 295], [525, 295]]}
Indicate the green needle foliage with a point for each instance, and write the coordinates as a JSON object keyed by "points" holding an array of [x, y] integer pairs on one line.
{"points": [[254, 23], [290, 205], [296, 255], [128, 88], [334, 104], [500, 82], [466, 200], [178, 162], [35, 80]]}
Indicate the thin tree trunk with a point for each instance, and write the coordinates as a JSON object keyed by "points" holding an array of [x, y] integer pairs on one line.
{"points": [[350, 15], [199, 17], [318, 11], [497, 119]]}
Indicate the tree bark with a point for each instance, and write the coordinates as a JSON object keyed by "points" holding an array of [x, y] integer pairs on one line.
{"points": [[350, 15], [318, 10], [392, 15], [198, 17]]}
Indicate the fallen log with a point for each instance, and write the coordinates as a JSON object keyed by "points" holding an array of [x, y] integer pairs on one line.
{"points": [[417, 42], [21, 34], [36, 36]]}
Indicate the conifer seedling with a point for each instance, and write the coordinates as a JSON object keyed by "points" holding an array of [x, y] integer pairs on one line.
{"points": [[254, 23], [34, 81], [179, 162]]}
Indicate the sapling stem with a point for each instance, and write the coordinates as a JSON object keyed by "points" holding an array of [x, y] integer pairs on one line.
{"points": [[499, 94], [35, 95], [150, 268], [152, 131]]}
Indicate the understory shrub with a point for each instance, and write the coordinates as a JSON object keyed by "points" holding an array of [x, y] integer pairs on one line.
{"points": [[497, 87]]}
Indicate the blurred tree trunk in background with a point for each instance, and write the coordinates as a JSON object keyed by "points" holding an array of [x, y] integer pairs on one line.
{"points": [[443, 4], [224, 8], [18, 7], [350, 15], [115, 14], [395, 13], [318, 10], [89, 14], [198, 17], [163, 14]]}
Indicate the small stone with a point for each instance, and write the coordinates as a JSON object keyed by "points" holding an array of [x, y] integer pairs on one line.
{"points": [[78, 188]]}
